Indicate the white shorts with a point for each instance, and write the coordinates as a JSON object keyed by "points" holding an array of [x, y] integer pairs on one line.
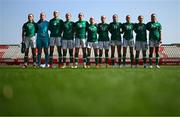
{"points": [[55, 41], [30, 42], [67, 44], [92, 45], [154, 43], [129, 43], [115, 42], [80, 43], [103, 44], [141, 45]]}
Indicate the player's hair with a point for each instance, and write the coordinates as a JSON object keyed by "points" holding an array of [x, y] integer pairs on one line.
{"points": [[128, 16], [68, 13], [30, 14], [81, 13], [153, 15], [103, 16], [43, 13], [55, 12], [140, 16], [91, 17], [115, 15]]}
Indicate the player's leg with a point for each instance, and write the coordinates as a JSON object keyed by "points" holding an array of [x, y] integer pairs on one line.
{"points": [[39, 48], [157, 56], [52, 43], [33, 46], [131, 55], [83, 45], [46, 46], [26, 41], [119, 54], [112, 53], [64, 47], [96, 57], [150, 56], [131, 45], [71, 48], [137, 57], [71, 57], [124, 51], [151, 49], [34, 56], [124, 55], [137, 48], [39, 56], [144, 49], [77, 46], [106, 47], [88, 57], [58, 44], [95, 46], [59, 56], [76, 57], [144, 58], [46, 56], [100, 51], [26, 57]]}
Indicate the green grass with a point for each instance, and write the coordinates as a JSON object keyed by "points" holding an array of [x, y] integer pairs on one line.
{"points": [[123, 91]]}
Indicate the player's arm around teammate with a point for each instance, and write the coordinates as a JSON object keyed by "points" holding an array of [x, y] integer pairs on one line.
{"points": [[68, 39], [128, 40], [29, 30], [55, 27], [155, 39], [42, 40], [92, 42], [103, 39], [80, 38], [141, 40], [115, 30]]}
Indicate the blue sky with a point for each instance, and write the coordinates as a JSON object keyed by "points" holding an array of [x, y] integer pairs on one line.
{"points": [[13, 13]]}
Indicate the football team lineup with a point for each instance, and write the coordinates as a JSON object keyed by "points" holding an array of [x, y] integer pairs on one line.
{"points": [[69, 36]]}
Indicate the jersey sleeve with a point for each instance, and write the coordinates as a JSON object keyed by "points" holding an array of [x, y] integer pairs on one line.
{"points": [[61, 26], [50, 26], [73, 26], [160, 27], [36, 27], [87, 26], [135, 27], [109, 28], [24, 27], [123, 30], [98, 28], [148, 26]]}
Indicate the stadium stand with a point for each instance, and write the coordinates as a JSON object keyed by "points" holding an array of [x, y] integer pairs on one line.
{"points": [[11, 54]]}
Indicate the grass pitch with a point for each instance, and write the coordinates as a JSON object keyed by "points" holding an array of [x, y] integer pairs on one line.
{"points": [[109, 91]]}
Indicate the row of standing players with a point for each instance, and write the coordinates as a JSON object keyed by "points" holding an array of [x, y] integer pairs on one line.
{"points": [[62, 35]]}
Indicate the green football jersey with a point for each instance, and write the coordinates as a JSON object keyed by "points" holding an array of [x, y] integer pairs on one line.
{"points": [[30, 29], [81, 29], [55, 27], [154, 29], [140, 30], [128, 30], [115, 30], [103, 32], [92, 33], [68, 30]]}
